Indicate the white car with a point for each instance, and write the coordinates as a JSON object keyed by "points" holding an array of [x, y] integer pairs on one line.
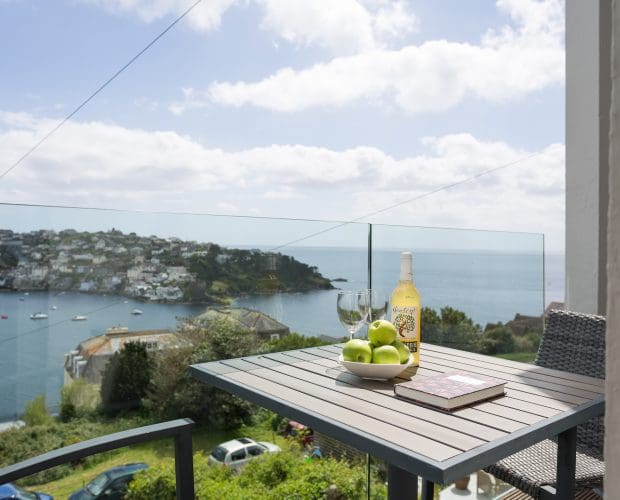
{"points": [[237, 452]]}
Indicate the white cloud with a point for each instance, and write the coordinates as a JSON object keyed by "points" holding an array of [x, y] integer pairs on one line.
{"points": [[344, 26], [103, 164], [206, 16], [434, 76]]}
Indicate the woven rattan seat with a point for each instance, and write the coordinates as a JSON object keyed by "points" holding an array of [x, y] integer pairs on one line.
{"points": [[572, 342]]}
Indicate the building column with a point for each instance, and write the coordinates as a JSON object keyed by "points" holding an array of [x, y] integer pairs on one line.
{"points": [[612, 386], [588, 91]]}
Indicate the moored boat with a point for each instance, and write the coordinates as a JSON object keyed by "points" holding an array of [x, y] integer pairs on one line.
{"points": [[79, 317], [38, 315], [137, 312]]}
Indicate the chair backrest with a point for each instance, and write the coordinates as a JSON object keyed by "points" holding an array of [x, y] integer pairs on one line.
{"points": [[575, 342]]}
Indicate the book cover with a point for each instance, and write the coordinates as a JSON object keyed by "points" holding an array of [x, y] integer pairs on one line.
{"points": [[451, 390]]}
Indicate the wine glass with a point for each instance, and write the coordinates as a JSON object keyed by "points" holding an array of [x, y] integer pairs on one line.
{"points": [[352, 310], [377, 304]]}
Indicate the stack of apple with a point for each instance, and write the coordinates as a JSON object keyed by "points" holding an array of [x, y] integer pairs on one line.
{"points": [[380, 348]]}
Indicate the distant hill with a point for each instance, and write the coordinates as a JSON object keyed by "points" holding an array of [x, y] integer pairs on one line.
{"points": [[150, 268]]}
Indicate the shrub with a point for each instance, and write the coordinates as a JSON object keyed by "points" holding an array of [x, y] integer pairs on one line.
{"points": [[284, 475], [20, 444], [79, 398], [35, 412], [155, 483], [294, 341]]}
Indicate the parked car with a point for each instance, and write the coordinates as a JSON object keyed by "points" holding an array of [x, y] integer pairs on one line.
{"points": [[11, 492], [237, 452], [109, 485]]}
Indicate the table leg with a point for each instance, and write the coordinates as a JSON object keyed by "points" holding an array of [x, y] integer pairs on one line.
{"points": [[428, 489], [567, 450], [402, 485]]}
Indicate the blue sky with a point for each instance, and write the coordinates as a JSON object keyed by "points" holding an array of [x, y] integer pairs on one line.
{"points": [[291, 108]]}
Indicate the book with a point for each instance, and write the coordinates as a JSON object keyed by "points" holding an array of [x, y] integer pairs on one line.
{"points": [[450, 390]]}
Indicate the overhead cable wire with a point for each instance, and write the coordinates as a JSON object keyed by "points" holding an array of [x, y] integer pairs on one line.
{"points": [[99, 89], [323, 231]]}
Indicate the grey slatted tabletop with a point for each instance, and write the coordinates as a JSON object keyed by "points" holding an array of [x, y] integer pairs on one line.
{"points": [[310, 386]]}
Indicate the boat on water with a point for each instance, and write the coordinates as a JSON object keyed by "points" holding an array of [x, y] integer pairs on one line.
{"points": [[4, 316], [22, 299], [53, 308], [137, 312], [79, 317], [38, 315]]}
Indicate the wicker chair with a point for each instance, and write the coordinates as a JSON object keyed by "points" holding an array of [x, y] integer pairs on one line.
{"points": [[575, 343]]}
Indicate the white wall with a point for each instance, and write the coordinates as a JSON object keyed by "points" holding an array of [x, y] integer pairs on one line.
{"points": [[612, 386], [587, 149]]}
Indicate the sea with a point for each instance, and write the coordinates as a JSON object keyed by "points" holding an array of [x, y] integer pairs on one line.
{"points": [[488, 286]]}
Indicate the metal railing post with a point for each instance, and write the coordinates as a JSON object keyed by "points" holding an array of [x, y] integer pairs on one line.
{"points": [[184, 465]]}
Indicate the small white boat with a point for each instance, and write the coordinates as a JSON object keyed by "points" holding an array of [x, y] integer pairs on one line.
{"points": [[53, 308], [22, 299], [38, 315], [136, 312], [79, 317]]}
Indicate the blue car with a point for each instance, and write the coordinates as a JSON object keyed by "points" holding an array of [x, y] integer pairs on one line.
{"points": [[110, 485], [11, 492]]}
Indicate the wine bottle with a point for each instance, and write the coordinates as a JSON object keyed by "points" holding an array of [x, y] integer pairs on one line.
{"points": [[406, 308]]}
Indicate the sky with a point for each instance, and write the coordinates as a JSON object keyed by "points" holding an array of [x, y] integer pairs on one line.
{"points": [[309, 109]]}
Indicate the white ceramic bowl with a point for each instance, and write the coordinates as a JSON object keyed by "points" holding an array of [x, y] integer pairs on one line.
{"points": [[375, 371]]}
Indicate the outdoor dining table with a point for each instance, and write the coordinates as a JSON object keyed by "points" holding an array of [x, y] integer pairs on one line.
{"points": [[310, 386]]}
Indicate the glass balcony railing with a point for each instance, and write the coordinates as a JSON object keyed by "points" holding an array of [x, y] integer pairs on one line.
{"points": [[75, 282]]}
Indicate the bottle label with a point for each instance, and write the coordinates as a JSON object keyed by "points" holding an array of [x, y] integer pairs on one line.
{"points": [[405, 321]]}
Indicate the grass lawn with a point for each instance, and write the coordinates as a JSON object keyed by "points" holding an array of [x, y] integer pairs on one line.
{"points": [[151, 453], [524, 357]]}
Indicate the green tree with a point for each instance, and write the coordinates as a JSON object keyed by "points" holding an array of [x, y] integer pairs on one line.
{"points": [[174, 393], [453, 328], [8, 260], [497, 340], [451, 316], [126, 377]]}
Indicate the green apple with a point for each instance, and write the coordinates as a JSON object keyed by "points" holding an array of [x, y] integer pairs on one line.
{"points": [[403, 351], [386, 355], [381, 332], [357, 350]]}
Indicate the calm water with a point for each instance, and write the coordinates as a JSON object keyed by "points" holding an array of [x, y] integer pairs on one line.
{"points": [[31, 351], [488, 287]]}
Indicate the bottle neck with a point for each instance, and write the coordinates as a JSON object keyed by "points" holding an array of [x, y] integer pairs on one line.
{"points": [[406, 269]]}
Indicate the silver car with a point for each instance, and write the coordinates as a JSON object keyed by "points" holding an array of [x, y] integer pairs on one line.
{"points": [[237, 452]]}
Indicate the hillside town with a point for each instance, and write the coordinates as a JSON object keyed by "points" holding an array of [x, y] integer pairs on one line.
{"points": [[149, 268]]}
